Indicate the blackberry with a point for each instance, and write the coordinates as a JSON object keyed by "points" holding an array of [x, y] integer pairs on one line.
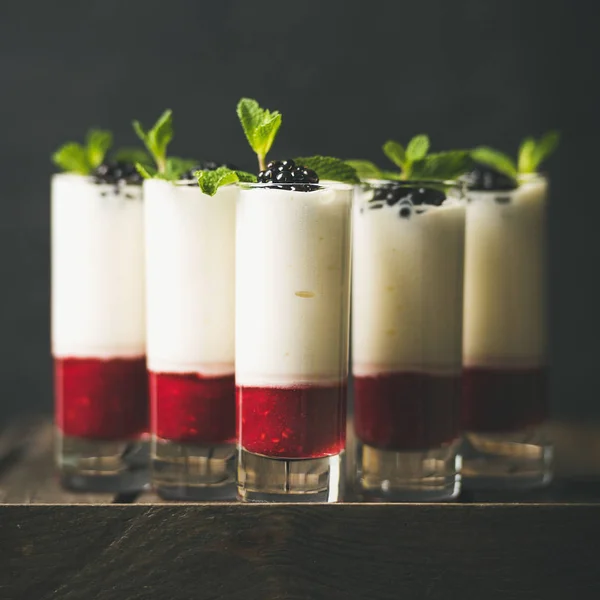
{"points": [[397, 193], [114, 172], [484, 178], [295, 177]]}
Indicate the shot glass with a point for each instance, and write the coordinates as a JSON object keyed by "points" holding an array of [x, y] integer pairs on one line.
{"points": [[190, 279], [292, 320], [504, 394], [98, 334], [407, 303]]}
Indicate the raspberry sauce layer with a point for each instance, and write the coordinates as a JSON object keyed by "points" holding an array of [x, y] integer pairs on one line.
{"points": [[304, 421], [100, 399], [189, 408], [496, 400], [406, 411]]}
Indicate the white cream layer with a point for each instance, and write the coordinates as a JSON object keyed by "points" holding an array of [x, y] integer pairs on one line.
{"points": [[505, 296], [190, 278], [407, 288], [97, 260], [293, 278]]}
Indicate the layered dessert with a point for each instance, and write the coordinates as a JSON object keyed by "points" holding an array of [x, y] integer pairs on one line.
{"points": [[190, 280], [292, 313], [505, 307], [98, 328], [408, 252]]}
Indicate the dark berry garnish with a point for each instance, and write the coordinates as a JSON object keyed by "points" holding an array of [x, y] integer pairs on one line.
{"points": [[291, 176], [285, 177], [484, 178], [115, 172], [405, 212], [398, 193]]}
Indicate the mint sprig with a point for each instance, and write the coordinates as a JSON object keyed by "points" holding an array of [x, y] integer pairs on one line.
{"points": [[157, 139], [82, 159], [531, 154], [497, 160], [330, 168], [365, 169], [132, 156], [175, 167], [211, 181], [260, 126], [415, 162], [442, 165]]}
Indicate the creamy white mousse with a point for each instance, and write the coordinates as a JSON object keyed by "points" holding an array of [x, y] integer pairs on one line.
{"points": [[292, 285], [190, 278], [97, 242], [407, 284], [505, 296]]}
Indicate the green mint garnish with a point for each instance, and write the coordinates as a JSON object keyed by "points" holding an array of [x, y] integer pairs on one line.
{"points": [[531, 154], [211, 181], [417, 148], [132, 156], [73, 157], [157, 139], [330, 168], [260, 126], [174, 168], [442, 165], [365, 169], [415, 163], [497, 160]]}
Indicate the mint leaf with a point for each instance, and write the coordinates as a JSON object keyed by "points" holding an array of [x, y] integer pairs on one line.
{"points": [[417, 148], [260, 127], [97, 143], [495, 159], [71, 157], [211, 181], [145, 171], [442, 165], [365, 169], [526, 152], [330, 168], [392, 175], [544, 148], [132, 156], [175, 167], [158, 138], [395, 152]]}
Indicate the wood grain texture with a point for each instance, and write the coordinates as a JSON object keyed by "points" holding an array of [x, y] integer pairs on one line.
{"points": [[33, 479], [272, 552]]}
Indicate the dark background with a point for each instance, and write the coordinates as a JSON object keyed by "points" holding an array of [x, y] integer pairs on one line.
{"points": [[347, 75]]}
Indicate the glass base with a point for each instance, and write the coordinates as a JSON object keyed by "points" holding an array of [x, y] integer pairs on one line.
{"points": [[268, 479], [408, 476], [191, 472], [507, 461], [102, 466]]}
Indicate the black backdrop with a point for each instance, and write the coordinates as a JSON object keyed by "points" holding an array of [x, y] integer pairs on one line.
{"points": [[347, 75]]}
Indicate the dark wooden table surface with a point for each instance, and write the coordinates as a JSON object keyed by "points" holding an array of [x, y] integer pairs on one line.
{"points": [[57, 544]]}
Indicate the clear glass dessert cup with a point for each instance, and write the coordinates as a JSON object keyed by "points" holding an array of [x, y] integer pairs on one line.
{"points": [[98, 334], [190, 281], [504, 404], [292, 326], [407, 302]]}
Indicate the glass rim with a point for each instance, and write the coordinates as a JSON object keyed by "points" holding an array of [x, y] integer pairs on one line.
{"points": [[414, 182], [322, 185]]}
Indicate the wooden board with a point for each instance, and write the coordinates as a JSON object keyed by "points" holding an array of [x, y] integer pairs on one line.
{"points": [[58, 544], [247, 552]]}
